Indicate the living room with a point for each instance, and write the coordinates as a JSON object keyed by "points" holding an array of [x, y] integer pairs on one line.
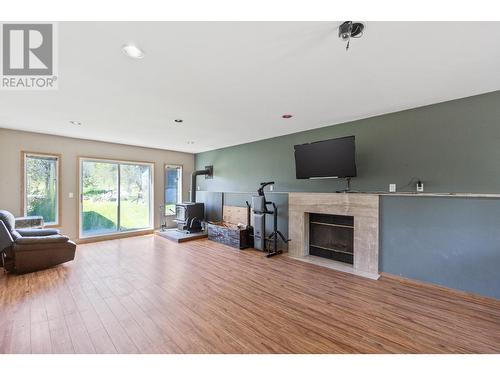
{"points": [[250, 187]]}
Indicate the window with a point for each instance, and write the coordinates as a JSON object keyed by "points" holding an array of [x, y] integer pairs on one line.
{"points": [[115, 197], [173, 188], [41, 187]]}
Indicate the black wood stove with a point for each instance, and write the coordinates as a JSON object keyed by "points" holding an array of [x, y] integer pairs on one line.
{"points": [[190, 215]]}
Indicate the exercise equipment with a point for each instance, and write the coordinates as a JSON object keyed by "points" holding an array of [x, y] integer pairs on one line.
{"points": [[260, 205]]}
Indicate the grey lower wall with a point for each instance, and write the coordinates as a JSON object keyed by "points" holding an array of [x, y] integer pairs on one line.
{"points": [[453, 242], [452, 147]]}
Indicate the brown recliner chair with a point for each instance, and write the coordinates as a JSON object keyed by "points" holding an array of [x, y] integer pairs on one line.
{"points": [[28, 250]]}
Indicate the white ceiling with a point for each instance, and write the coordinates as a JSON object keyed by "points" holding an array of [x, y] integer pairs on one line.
{"points": [[231, 82]]}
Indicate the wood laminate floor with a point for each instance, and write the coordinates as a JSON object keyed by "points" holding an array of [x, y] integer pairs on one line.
{"points": [[149, 295]]}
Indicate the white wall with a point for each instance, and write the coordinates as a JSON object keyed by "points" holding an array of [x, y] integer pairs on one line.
{"points": [[13, 142]]}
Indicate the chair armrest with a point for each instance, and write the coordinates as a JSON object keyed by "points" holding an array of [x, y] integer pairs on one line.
{"points": [[29, 222], [56, 238], [5, 237], [37, 232]]}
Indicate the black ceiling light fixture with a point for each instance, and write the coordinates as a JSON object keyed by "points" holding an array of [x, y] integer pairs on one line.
{"points": [[350, 29]]}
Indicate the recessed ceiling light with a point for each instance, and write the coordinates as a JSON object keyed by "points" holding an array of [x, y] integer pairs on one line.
{"points": [[75, 123], [133, 51], [286, 116], [179, 120]]}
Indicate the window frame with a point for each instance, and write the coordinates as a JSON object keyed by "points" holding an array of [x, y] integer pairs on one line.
{"points": [[179, 192], [118, 233], [24, 206]]}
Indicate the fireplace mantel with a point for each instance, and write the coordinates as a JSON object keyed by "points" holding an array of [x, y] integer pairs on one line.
{"points": [[365, 210]]}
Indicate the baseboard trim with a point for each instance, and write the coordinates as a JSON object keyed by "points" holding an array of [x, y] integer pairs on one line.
{"points": [[459, 293], [81, 241]]}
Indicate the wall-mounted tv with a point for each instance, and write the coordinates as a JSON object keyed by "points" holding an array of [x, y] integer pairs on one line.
{"points": [[326, 159]]}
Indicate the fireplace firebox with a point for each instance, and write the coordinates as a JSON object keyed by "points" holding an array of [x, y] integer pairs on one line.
{"points": [[332, 237]]}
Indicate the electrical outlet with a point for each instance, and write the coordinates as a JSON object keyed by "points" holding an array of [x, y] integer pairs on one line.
{"points": [[420, 187], [271, 188], [392, 188]]}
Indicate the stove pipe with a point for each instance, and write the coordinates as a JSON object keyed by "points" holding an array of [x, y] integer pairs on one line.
{"points": [[208, 172]]}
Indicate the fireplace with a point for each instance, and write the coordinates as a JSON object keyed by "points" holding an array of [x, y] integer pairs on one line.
{"points": [[332, 237], [358, 210]]}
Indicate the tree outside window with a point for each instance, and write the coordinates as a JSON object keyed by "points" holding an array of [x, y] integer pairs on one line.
{"points": [[41, 174]]}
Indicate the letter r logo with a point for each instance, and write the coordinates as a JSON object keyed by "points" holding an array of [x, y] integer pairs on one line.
{"points": [[27, 49]]}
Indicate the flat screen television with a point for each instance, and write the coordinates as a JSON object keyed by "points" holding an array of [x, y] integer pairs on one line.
{"points": [[332, 158]]}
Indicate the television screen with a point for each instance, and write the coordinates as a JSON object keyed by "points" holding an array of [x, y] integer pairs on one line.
{"points": [[323, 159]]}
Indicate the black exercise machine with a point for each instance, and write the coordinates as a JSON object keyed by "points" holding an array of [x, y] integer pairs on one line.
{"points": [[260, 210]]}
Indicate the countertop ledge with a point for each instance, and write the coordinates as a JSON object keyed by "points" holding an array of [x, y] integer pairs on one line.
{"points": [[382, 193]]}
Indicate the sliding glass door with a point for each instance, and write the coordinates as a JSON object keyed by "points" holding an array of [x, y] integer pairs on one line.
{"points": [[115, 197], [135, 196], [99, 198]]}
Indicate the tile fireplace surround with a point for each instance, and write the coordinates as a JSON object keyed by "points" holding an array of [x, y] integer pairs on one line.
{"points": [[365, 210]]}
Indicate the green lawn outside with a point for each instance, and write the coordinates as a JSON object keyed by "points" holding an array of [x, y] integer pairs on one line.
{"points": [[99, 215]]}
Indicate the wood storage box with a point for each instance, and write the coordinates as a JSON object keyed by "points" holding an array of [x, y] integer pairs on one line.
{"points": [[229, 234]]}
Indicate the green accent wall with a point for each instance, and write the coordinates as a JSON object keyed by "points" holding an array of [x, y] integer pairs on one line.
{"points": [[452, 146]]}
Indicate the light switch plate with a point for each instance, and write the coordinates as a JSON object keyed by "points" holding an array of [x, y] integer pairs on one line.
{"points": [[392, 188], [70, 195]]}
